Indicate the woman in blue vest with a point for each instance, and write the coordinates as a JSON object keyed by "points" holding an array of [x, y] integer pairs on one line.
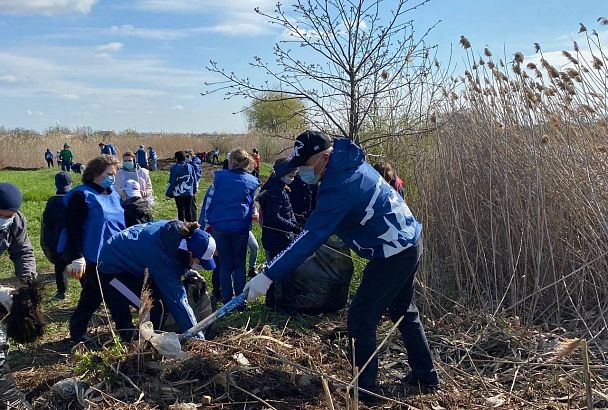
{"points": [[168, 249], [93, 215], [229, 212]]}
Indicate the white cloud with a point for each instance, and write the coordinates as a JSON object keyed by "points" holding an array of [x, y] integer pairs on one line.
{"points": [[233, 17], [110, 47], [8, 79], [129, 30], [72, 97], [46, 7], [178, 107], [36, 113]]}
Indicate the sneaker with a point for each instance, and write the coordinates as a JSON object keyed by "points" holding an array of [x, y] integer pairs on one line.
{"points": [[416, 385], [251, 272], [59, 296]]}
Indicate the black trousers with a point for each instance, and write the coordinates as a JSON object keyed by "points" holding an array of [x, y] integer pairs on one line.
{"points": [[49, 163], [388, 284], [60, 277], [119, 304], [184, 208], [90, 299], [193, 209]]}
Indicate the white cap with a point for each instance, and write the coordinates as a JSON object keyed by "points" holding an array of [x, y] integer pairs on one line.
{"points": [[132, 188]]}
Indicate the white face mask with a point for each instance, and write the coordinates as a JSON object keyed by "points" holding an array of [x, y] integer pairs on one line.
{"points": [[6, 222]]}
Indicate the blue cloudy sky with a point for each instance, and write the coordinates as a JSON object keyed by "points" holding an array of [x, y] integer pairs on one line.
{"points": [[117, 64]]}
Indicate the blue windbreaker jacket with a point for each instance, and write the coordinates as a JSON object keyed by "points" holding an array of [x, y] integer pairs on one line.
{"points": [[154, 246], [359, 206], [230, 207], [182, 180], [142, 158]]}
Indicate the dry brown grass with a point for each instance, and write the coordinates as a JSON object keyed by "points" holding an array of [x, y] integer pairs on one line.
{"points": [[513, 190], [27, 150]]}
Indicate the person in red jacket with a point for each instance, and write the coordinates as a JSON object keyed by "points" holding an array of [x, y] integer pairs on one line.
{"points": [[388, 173]]}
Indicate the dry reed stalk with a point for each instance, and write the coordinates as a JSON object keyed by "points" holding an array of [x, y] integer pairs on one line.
{"points": [[328, 398], [587, 374]]}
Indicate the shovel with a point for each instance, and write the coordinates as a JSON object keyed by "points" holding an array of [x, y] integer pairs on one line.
{"points": [[168, 344]]}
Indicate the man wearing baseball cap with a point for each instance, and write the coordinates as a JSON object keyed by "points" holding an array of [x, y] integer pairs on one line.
{"points": [[168, 250], [359, 206], [13, 233]]}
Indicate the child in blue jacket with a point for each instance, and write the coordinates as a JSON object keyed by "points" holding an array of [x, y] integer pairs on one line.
{"points": [[52, 223], [182, 187], [168, 249]]}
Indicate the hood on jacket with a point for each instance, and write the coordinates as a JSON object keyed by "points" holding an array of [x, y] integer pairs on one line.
{"points": [[345, 157]]}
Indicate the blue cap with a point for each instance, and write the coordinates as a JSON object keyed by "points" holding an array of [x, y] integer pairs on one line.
{"points": [[10, 197], [202, 246]]}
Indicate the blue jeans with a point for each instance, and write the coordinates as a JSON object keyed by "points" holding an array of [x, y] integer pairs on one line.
{"points": [[388, 284], [232, 250]]}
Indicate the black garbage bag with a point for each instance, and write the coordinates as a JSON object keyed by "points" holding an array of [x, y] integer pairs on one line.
{"points": [[319, 285], [199, 301]]}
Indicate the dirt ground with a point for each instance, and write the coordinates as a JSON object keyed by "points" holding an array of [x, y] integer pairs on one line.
{"points": [[484, 362]]}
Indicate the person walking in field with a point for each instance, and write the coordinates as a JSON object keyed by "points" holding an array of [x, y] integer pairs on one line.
{"points": [[153, 158], [359, 206], [142, 157], [58, 159], [66, 157], [182, 187], [93, 215], [51, 226], [48, 157]]}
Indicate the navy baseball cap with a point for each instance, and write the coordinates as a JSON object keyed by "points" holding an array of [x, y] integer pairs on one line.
{"points": [[306, 145], [202, 245]]}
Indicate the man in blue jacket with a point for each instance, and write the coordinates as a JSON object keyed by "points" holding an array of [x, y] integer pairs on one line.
{"points": [[357, 204]]}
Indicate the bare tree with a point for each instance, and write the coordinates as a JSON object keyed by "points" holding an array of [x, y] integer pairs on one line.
{"points": [[351, 61]]}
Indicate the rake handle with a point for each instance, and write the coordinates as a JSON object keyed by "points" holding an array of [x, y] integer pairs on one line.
{"points": [[212, 318]]}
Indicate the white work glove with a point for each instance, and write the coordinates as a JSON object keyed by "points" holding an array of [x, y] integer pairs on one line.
{"points": [[256, 287], [76, 268], [6, 297]]}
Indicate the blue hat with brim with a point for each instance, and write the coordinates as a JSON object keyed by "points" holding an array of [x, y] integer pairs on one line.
{"points": [[202, 245]]}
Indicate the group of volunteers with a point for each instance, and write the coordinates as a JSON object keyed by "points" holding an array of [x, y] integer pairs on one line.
{"points": [[325, 187], [65, 157]]}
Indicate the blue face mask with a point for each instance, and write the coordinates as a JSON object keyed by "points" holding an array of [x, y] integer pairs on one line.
{"points": [[307, 173], [128, 165], [5, 223], [107, 182]]}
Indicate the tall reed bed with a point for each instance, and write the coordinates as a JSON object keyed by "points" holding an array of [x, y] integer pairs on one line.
{"points": [[513, 188], [27, 150]]}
